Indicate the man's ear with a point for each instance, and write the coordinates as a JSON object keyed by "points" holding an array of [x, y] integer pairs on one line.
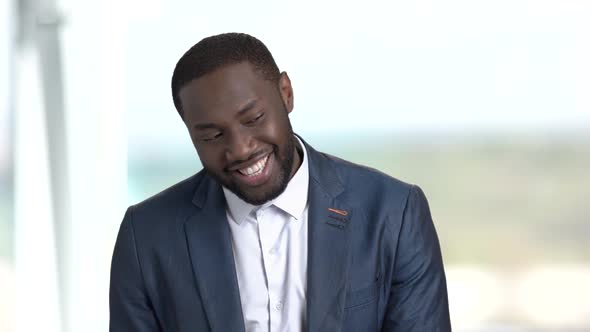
{"points": [[286, 91]]}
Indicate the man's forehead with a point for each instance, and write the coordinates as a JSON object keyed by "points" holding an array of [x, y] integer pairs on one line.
{"points": [[233, 78], [232, 89]]}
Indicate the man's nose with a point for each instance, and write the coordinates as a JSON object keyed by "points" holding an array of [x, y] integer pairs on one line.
{"points": [[239, 147]]}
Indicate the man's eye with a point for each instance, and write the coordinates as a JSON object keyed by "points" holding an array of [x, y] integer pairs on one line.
{"points": [[253, 121], [211, 138]]}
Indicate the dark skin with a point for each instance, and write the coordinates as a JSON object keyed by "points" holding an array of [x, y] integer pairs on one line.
{"points": [[239, 124]]}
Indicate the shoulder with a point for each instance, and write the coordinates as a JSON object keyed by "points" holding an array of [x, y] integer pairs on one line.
{"points": [[364, 178], [368, 188], [166, 204]]}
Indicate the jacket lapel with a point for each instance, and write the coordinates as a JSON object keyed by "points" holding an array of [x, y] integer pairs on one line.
{"points": [[209, 242], [210, 248], [328, 247]]}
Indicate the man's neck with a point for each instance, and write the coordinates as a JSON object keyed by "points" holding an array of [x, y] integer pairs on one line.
{"points": [[297, 157]]}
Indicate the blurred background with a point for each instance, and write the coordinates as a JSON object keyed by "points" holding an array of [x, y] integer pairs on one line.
{"points": [[484, 104]]}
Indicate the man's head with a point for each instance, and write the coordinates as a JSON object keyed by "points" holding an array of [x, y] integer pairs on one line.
{"points": [[235, 104]]}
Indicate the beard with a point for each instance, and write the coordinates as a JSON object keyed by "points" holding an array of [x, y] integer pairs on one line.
{"points": [[276, 186]]}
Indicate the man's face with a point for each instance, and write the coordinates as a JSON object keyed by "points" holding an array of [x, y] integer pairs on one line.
{"points": [[239, 125]]}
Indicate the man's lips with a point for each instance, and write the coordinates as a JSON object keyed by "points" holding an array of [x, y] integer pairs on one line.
{"points": [[254, 169], [256, 172], [248, 163]]}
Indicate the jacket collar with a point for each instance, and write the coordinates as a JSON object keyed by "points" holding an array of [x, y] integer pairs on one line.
{"points": [[328, 245], [320, 172], [292, 201], [329, 218], [210, 250]]}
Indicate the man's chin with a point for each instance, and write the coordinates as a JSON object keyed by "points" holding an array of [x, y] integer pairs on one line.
{"points": [[251, 195], [254, 198]]}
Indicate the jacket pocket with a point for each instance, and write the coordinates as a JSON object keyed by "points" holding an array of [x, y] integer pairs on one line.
{"points": [[362, 296]]}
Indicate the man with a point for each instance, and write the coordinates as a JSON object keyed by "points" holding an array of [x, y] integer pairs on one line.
{"points": [[271, 235]]}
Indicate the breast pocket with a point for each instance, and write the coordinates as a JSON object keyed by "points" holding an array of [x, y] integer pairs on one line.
{"points": [[360, 309]]}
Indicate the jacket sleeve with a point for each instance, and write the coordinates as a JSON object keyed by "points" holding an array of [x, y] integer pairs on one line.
{"points": [[129, 305], [418, 299]]}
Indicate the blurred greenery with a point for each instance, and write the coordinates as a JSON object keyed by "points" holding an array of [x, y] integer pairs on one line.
{"points": [[500, 201], [494, 201]]}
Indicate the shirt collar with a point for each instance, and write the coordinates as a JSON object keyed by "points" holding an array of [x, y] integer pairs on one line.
{"points": [[293, 200]]}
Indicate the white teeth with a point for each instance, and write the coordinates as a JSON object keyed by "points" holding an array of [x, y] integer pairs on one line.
{"points": [[256, 168]]}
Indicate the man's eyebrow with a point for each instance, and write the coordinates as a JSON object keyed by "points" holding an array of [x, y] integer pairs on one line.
{"points": [[203, 126], [248, 106]]}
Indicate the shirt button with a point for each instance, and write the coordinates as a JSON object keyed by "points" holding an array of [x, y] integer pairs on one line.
{"points": [[279, 305], [273, 251]]}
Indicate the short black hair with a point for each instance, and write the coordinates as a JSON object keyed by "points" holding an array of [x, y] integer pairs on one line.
{"points": [[217, 51]]}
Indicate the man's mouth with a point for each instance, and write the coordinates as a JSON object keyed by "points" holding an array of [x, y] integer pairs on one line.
{"points": [[255, 169], [257, 173]]}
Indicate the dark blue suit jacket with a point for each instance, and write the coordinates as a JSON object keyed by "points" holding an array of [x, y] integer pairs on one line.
{"points": [[377, 268]]}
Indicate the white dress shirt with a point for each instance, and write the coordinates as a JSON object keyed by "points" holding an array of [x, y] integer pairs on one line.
{"points": [[270, 253]]}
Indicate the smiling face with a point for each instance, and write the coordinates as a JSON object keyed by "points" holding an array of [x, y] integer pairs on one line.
{"points": [[239, 125]]}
